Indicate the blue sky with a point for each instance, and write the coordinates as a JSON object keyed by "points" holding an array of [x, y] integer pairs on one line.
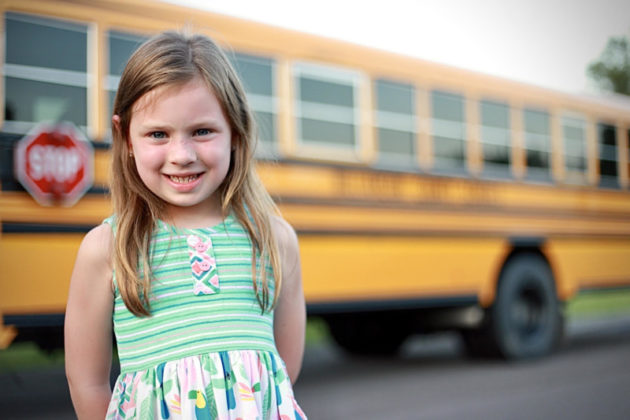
{"points": [[543, 42]]}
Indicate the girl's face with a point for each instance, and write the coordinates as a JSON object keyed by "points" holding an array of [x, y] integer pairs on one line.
{"points": [[181, 142]]}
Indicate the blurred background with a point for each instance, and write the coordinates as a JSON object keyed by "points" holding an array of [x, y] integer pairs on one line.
{"points": [[458, 175]]}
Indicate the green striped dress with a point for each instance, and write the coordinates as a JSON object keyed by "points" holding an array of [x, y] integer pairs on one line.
{"points": [[207, 351]]}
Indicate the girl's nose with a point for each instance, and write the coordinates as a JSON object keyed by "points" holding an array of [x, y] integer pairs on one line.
{"points": [[182, 152]]}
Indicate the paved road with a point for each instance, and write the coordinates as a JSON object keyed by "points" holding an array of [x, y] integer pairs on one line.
{"points": [[589, 378]]}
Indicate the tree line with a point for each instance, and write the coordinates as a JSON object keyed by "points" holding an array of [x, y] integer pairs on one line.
{"points": [[611, 71]]}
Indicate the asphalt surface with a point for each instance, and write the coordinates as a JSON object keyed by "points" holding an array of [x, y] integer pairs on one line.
{"points": [[588, 378]]}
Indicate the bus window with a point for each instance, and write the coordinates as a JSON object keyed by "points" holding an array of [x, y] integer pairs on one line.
{"points": [[607, 142], [257, 74], [121, 46], [574, 144], [537, 144], [326, 108], [396, 122], [495, 139], [449, 132], [45, 72]]}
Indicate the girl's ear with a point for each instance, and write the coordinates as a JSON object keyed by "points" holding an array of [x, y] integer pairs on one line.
{"points": [[116, 121]]}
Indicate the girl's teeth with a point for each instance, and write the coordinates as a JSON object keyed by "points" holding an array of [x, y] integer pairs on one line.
{"points": [[183, 179]]}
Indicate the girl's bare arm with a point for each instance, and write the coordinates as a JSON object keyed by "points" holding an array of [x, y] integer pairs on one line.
{"points": [[88, 331], [290, 312]]}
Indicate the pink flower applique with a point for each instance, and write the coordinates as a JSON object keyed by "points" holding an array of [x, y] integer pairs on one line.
{"points": [[203, 266]]}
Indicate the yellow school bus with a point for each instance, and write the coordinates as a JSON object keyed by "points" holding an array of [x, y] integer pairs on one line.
{"points": [[425, 197]]}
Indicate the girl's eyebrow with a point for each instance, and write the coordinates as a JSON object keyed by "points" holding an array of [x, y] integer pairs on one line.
{"points": [[154, 125], [204, 121]]}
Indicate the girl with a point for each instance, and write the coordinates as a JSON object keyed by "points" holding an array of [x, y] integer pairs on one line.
{"points": [[196, 267]]}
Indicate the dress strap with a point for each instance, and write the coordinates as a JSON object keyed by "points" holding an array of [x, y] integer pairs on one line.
{"points": [[111, 220]]}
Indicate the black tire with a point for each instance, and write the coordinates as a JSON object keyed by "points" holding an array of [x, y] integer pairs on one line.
{"points": [[525, 320], [369, 334]]}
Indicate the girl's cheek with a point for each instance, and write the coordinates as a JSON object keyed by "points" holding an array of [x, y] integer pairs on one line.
{"points": [[151, 154]]}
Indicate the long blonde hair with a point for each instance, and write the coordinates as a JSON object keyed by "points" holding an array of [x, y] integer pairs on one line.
{"points": [[167, 59]]}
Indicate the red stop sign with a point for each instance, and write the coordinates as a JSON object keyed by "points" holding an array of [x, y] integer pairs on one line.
{"points": [[55, 163]]}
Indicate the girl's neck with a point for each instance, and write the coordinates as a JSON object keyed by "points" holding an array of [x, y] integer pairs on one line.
{"points": [[194, 217]]}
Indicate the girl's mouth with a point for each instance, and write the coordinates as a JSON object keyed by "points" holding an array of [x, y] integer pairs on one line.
{"points": [[183, 179]]}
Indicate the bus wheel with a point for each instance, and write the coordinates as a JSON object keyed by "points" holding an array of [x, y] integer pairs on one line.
{"points": [[525, 320], [375, 334]]}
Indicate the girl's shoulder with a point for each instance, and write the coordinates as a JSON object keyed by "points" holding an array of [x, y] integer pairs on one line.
{"points": [[93, 265], [97, 243], [287, 242], [284, 233], [104, 231]]}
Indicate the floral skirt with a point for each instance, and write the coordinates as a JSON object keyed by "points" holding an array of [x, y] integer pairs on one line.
{"points": [[225, 385]]}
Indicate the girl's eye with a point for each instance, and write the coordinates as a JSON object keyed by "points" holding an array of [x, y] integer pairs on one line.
{"points": [[157, 135], [202, 132]]}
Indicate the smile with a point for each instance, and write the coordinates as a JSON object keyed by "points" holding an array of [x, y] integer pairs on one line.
{"points": [[183, 179]]}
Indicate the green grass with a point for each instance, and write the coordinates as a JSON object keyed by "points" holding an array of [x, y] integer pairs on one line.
{"points": [[599, 303], [316, 331], [27, 356]]}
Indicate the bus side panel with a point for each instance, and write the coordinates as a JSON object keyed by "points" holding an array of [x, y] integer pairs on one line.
{"points": [[35, 270], [357, 267], [589, 263]]}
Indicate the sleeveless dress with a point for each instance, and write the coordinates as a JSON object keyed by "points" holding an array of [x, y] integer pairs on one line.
{"points": [[207, 351]]}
